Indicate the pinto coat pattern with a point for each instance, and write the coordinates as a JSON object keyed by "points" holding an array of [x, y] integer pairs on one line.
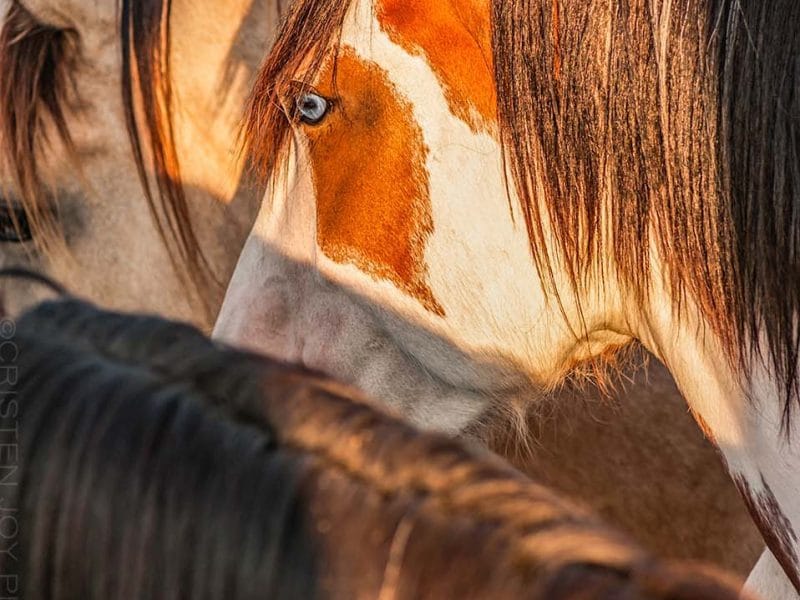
{"points": [[640, 182]]}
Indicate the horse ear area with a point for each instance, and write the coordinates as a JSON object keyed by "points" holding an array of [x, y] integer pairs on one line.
{"points": [[92, 20]]}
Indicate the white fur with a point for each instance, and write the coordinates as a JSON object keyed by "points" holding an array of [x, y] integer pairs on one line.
{"points": [[768, 580]]}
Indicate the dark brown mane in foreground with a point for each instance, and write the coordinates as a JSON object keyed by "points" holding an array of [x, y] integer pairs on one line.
{"points": [[154, 463], [36, 88], [685, 122]]}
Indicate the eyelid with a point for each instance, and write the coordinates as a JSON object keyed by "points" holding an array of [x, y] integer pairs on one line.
{"points": [[298, 86]]}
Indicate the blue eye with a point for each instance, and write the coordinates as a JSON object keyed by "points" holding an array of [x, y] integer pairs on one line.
{"points": [[312, 108]]}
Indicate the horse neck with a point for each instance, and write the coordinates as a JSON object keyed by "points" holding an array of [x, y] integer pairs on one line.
{"points": [[744, 418]]}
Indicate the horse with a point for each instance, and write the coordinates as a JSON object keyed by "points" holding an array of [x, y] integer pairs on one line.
{"points": [[483, 196], [117, 136], [150, 462], [61, 79]]}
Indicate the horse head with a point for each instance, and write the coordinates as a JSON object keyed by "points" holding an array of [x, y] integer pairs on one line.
{"points": [[468, 199]]}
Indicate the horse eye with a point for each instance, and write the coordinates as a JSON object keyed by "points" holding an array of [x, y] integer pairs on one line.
{"points": [[312, 108], [14, 225]]}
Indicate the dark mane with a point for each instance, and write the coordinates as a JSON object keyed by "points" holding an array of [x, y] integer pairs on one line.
{"points": [[153, 463], [684, 121], [36, 87]]}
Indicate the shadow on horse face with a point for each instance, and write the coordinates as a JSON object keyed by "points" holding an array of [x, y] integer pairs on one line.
{"points": [[154, 463]]}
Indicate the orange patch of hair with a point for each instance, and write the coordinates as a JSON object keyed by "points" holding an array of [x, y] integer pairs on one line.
{"points": [[455, 36], [368, 164]]}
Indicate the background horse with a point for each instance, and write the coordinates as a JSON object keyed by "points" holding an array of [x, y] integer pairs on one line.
{"points": [[118, 125], [152, 463], [483, 195]]}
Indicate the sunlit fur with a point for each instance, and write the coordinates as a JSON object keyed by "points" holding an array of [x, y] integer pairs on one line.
{"points": [[153, 463], [37, 64]]}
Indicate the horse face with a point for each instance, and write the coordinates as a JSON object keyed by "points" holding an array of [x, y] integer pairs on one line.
{"points": [[393, 258], [388, 251], [108, 247]]}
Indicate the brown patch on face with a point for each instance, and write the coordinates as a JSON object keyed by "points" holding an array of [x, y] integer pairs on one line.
{"points": [[455, 36], [774, 526], [368, 164]]}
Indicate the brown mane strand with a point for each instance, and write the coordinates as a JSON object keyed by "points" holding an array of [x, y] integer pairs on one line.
{"points": [[684, 118], [309, 31], [146, 76], [36, 67], [35, 82]]}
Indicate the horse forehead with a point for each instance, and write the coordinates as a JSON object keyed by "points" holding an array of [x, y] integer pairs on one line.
{"points": [[454, 37]]}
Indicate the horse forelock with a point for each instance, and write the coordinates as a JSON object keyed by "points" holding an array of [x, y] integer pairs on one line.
{"points": [[310, 31]]}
